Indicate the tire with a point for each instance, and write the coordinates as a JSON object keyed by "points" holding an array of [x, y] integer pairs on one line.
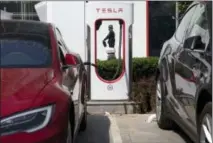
{"points": [[69, 132], [83, 124], [205, 114], [163, 121], [72, 119]]}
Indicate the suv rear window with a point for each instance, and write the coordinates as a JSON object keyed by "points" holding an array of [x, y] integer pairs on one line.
{"points": [[24, 51]]}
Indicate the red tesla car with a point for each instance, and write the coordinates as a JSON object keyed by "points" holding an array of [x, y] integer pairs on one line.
{"points": [[43, 85]]}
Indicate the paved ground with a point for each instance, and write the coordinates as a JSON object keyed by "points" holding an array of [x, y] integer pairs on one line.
{"points": [[127, 129]]}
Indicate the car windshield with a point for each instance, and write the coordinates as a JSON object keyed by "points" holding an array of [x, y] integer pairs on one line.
{"points": [[25, 52]]}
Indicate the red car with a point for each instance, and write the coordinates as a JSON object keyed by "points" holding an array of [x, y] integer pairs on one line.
{"points": [[43, 85]]}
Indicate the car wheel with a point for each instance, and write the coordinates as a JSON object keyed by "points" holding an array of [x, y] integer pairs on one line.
{"points": [[69, 132], [83, 124], [205, 124], [162, 120]]}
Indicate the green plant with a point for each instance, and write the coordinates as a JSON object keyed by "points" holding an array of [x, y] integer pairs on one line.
{"points": [[107, 69], [143, 76], [141, 68], [183, 5], [143, 94]]}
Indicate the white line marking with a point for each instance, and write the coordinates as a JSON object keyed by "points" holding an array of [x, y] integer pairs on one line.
{"points": [[151, 118], [114, 129]]}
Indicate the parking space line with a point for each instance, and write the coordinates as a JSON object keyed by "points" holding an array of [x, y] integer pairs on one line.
{"points": [[114, 130]]}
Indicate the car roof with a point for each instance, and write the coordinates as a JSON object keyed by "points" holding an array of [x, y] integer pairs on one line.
{"points": [[24, 26], [209, 10], [196, 2]]}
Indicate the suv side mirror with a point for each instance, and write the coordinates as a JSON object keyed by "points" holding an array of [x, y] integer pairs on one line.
{"points": [[194, 43], [71, 60]]}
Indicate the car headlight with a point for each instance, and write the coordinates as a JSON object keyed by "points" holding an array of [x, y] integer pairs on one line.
{"points": [[28, 121]]}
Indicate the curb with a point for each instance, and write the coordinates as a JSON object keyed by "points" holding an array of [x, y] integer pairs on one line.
{"points": [[114, 129]]}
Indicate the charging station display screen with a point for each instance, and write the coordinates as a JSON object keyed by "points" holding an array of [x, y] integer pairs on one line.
{"points": [[109, 48]]}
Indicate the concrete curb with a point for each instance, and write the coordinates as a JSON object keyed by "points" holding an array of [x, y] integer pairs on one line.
{"points": [[114, 129]]}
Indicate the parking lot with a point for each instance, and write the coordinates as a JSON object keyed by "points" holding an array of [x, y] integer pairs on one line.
{"points": [[127, 129]]}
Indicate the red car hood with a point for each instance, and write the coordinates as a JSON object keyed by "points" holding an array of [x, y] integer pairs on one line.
{"points": [[19, 87]]}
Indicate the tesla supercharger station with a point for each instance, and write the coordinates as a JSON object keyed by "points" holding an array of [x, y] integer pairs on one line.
{"points": [[99, 15]]}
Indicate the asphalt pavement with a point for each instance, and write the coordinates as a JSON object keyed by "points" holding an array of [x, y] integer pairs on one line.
{"points": [[132, 128]]}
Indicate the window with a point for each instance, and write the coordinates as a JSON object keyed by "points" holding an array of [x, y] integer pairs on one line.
{"points": [[183, 71], [184, 24], [61, 54], [61, 46], [20, 9], [58, 34], [62, 50], [62, 42], [200, 27], [25, 52]]}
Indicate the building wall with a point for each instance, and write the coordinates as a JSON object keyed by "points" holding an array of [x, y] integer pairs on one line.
{"points": [[69, 17], [20, 9], [161, 24], [140, 29]]}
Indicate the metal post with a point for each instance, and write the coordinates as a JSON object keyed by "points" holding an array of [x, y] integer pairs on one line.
{"points": [[176, 14], [22, 17], [24, 9]]}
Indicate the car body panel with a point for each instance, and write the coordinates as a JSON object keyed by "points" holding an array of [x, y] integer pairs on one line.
{"points": [[78, 80]]}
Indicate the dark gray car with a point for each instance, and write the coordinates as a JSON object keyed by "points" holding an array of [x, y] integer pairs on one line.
{"points": [[184, 77]]}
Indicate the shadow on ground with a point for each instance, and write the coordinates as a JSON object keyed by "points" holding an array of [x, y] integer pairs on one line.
{"points": [[97, 130], [182, 134]]}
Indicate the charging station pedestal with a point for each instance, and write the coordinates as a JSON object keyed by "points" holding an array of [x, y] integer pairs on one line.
{"points": [[96, 14]]}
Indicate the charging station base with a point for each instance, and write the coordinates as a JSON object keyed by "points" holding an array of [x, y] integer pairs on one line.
{"points": [[113, 107]]}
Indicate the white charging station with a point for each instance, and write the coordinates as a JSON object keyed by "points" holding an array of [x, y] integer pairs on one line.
{"points": [[100, 12]]}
